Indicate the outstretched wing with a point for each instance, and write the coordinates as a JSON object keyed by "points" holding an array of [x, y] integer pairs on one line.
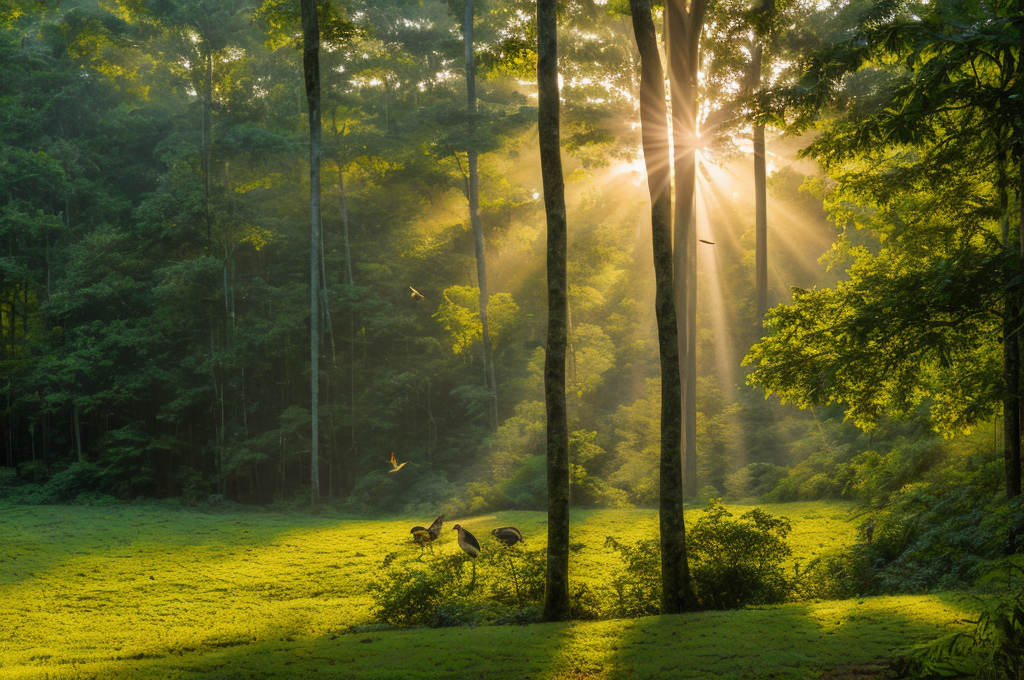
{"points": [[394, 463], [435, 527], [398, 467]]}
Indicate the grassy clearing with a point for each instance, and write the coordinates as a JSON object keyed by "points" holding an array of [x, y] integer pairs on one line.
{"points": [[139, 591]]}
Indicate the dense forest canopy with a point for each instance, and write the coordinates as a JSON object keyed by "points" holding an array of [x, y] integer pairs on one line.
{"points": [[155, 253]]}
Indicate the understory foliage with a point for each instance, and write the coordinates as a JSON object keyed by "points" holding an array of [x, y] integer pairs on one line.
{"points": [[502, 586], [994, 648], [734, 562]]}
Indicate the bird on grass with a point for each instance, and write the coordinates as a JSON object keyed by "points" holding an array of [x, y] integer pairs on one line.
{"points": [[425, 536], [467, 541], [395, 466], [471, 547], [508, 535]]}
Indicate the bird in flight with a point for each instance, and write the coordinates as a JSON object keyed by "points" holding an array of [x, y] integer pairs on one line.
{"points": [[416, 294], [710, 243], [395, 465]]}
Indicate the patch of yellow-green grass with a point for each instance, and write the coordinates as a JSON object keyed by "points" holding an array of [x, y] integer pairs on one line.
{"points": [[138, 591]]}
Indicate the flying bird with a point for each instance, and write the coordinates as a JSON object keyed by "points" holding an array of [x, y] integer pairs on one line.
{"points": [[425, 536], [415, 294], [395, 466], [467, 541], [508, 535], [710, 243]]}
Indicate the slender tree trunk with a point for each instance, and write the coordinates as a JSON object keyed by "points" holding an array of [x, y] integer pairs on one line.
{"points": [[351, 320], [1012, 406], [311, 72], [761, 208], [1011, 347], [78, 433], [474, 218], [675, 573], [344, 224], [556, 592], [207, 100], [682, 34]]}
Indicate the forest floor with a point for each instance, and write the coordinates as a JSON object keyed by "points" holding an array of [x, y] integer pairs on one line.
{"points": [[148, 591]]}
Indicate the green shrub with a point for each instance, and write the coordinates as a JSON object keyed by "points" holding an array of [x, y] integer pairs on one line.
{"points": [[638, 586], [505, 585], [733, 563], [836, 575], [738, 562], [754, 480], [994, 649], [515, 575], [429, 595]]}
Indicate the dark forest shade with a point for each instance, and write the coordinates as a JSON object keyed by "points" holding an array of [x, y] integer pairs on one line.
{"points": [[556, 593]]}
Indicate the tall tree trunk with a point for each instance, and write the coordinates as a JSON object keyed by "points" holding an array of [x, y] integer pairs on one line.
{"points": [[761, 207], [78, 433], [311, 72], [207, 100], [556, 592], [1011, 346], [682, 36], [1011, 333], [474, 217], [675, 573], [344, 224]]}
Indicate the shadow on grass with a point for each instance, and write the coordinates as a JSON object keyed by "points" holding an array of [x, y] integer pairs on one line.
{"points": [[792, 641], [789, 642]]}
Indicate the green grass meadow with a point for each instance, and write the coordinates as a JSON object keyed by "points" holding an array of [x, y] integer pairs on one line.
{"points": [[151, 592]]}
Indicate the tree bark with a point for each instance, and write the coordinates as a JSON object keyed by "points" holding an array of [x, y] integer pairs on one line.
{"points": [[311, 73], [761, 208], [205, 123], [682, 36], [675, 573], [1011, 334], [78, 433], [474, 217], [556, 593]]}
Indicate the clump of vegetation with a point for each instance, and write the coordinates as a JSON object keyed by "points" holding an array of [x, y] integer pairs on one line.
{"points": [[638, 586], [504, 586], [932, 534], [994, 648], [738, 562], [733, 563]]}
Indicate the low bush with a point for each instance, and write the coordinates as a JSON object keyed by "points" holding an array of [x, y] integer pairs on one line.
{"points": [[637, 587], [503, 585], [994, 648], [738, 562], [733, 563]]}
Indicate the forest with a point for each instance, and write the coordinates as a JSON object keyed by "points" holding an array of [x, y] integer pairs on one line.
{"points": [[661, 308]]}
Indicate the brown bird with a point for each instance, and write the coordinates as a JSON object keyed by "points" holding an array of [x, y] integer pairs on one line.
{"points": [[710, 243], [395, 466], [467, 541], [508, 535], [416, 294], [425, 536]]}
